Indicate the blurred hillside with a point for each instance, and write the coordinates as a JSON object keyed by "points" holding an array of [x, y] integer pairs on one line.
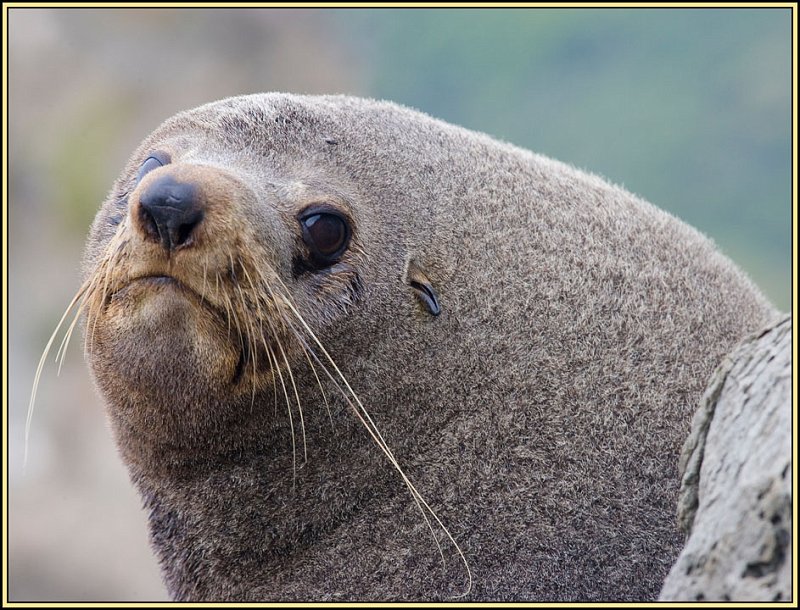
{"points": [[688, 108]]}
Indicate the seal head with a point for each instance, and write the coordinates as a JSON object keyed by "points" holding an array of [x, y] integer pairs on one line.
{"points": [[314, 317]]}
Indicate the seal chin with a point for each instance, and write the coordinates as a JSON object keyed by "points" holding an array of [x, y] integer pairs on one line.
{"points": [[163, 333]]}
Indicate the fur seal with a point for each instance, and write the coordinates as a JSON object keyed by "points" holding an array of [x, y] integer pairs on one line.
{"points": [[334, 334]]}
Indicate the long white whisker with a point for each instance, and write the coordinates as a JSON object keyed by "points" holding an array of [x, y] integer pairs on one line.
{"points": [[250, 331], [370, 427], [62, 350], [78, 296], [306, 351], [205, 274], [378, 438], [115, 249], [289, 410], [366, 420], [297, 397], [368, 424]]}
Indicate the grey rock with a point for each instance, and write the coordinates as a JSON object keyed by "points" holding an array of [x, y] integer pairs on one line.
{"points": [[736, 490]]}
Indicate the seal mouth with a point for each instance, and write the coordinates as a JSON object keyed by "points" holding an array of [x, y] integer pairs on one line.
{"points": [[159, 281], [144, 284]]}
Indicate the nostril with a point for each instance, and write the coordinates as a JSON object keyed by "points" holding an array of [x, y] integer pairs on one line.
{"points": [[148, 224], [183, 232], [170, 212]]}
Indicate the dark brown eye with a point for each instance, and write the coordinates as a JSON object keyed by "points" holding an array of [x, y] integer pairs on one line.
{"points": [[326, 234], [152, 162]]}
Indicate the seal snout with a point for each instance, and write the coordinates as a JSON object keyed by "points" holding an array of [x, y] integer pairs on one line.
{"points": [[170, 212]]}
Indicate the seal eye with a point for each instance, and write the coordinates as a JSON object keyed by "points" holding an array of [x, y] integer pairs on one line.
{"points": [[326, 234], [152, 162]]}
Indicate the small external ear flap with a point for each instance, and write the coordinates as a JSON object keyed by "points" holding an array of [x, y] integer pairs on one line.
{"points": [[421, 286]]}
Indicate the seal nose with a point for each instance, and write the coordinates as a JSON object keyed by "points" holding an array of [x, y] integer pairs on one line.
{"points": [[169, 212]]}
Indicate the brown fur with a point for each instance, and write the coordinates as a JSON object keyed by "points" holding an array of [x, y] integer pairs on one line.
{"points": [[541, 414]]}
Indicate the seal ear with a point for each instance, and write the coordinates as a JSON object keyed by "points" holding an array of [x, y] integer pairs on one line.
{"points": [[422, 287]]}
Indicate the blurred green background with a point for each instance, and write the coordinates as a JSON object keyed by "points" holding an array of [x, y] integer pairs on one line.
{"points": [[690, 109]]}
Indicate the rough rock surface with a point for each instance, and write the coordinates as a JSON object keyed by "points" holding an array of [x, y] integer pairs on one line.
{"points": [[736, 490]]}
